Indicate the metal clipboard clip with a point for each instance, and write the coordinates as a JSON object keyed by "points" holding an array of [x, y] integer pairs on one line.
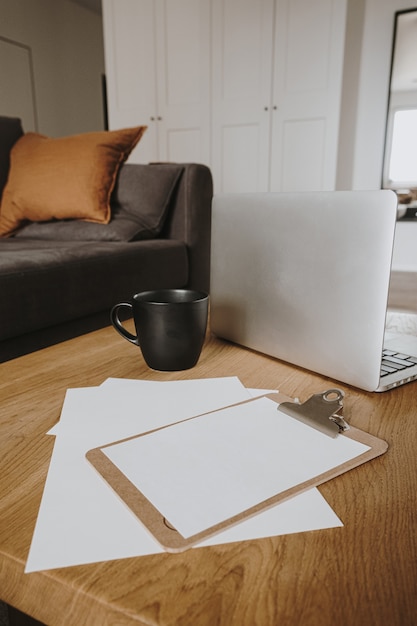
{"points": [[322, 411]]}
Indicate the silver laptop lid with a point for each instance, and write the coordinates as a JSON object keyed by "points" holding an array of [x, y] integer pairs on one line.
{"points": [[304, 277]]}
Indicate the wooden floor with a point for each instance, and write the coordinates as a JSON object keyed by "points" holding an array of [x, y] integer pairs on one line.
{"points": [[403, 292]]}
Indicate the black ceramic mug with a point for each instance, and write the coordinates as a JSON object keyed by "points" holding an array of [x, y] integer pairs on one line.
{"points": [[170, 326]]}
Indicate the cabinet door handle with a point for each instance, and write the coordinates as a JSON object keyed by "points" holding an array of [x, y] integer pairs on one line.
{"points": [[152, 118], [159, 118]]}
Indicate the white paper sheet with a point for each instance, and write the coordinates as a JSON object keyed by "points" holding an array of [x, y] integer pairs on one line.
{"points": [[125, 397], [135, 406], [81, 520]]}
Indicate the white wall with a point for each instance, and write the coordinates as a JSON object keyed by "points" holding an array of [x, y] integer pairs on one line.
{"points": [[369, 40], [355, 16], [373, 83], [66, 45]]}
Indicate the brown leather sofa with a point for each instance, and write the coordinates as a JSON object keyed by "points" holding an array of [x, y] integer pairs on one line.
{"points": [[60, 278]]}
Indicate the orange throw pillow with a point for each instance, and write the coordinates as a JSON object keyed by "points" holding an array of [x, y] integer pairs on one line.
{"points": [[64, 178]]}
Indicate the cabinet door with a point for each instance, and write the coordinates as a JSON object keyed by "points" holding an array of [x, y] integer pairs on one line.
{"points": [[183, 80], [158, 73], [129, 38], [242, 68], [308, 68]]}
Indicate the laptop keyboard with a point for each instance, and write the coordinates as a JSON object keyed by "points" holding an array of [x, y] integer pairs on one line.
{"points": [[394, 361]]}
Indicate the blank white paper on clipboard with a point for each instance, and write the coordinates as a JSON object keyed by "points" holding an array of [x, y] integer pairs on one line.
{"points": [[201, 472]]}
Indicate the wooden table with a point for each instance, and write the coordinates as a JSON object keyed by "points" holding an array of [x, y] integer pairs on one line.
{"points": [[362, 574]]}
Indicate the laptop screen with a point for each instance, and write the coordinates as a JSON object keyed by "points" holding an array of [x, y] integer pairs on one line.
{"points": [[304, 277]]}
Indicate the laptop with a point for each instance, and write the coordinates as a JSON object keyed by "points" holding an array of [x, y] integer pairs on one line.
{"points": [[304, 277]]}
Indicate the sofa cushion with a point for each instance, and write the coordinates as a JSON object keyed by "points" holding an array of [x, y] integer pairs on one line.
{"points": [[10, 131], [47, 283], [68, 177], [139, 204]]}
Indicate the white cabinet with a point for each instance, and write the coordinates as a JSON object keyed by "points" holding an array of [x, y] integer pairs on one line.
{"points": [[129, 27], [307, 85], [157, 56], [277, 77], [252, 88], [242, 75]]}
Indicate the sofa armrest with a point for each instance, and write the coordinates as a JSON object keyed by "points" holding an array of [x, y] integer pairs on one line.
{"points": [[189, 220]]}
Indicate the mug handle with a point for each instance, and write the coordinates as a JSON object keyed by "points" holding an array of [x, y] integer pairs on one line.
{"points": [[114, 318]]}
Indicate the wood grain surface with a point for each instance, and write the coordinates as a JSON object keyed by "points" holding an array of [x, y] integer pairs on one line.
{"points": [[364, 573]]}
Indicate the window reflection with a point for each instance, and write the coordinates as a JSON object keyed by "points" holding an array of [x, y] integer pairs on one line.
{"points": [[402, 170]]}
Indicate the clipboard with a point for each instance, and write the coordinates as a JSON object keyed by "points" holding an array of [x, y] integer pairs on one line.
{"points": [[318, 421]]}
